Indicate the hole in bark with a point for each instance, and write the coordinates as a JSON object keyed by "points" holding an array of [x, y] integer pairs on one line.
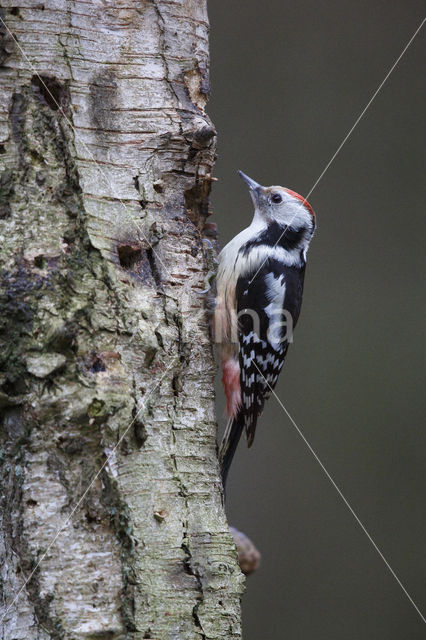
{"points": [[50, 90], [196, 201], [128, 255], [140, 434], [143, 203], [14, 11], [67, 243], [5, 211], [40, 262], [158, 187], [97, 364], [91, 516], [15, 387], [2, 149], [31, 503], [176, 385]]}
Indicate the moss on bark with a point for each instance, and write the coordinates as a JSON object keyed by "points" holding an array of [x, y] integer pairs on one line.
{"points": [[105, 358]]}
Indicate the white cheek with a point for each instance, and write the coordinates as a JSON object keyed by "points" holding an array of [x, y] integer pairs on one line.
{"points": [[293, 214]]}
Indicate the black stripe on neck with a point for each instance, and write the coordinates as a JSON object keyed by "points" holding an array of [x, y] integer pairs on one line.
{"points": [[275, 234]]}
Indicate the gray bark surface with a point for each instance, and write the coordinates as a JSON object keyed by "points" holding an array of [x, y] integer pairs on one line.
{"points": [[106, 156]]}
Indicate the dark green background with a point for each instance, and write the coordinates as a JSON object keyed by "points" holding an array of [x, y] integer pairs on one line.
{"points": [[288, 81]]}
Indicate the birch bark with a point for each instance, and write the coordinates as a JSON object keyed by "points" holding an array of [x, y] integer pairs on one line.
{"points": [[106, 155]]}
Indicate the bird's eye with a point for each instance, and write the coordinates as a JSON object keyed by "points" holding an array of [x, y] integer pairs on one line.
{"points": [[276, 198]]}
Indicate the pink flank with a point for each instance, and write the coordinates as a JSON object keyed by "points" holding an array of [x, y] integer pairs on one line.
{"points": [[231, 384]]}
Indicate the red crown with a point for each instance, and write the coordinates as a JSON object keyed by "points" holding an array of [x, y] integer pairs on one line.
{"points": [[302, 200]]}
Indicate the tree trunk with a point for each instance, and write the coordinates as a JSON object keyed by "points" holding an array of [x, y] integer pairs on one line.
{"points": [[106, 156]]}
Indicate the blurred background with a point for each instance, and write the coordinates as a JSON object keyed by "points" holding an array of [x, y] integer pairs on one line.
{"points": [[289, 80]]}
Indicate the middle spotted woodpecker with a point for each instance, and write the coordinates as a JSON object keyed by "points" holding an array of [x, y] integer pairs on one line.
{"points": [[259, 294]]}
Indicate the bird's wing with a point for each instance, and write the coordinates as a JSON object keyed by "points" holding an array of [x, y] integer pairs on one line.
{"points": [[268, 307]]}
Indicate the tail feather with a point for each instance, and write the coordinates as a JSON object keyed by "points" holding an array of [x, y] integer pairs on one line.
{"points": [[250, 424], [229, 444]]}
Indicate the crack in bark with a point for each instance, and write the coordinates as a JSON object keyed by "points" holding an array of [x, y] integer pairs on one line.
{"points": [[162, 28], [153, 266]]}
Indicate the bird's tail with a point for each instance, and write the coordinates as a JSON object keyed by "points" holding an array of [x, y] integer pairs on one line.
{"points": [[229, 444]]}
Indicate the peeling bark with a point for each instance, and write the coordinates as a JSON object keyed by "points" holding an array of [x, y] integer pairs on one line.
{"points": [[106, 156]]}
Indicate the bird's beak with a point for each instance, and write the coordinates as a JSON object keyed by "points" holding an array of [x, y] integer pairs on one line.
{"points": [[255, 188], [251, 183]]}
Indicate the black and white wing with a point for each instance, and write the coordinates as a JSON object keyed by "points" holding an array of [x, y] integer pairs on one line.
{"points": [[268, 307]]}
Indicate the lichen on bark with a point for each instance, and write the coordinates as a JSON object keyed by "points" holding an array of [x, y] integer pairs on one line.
{"points": [[106, 362]]}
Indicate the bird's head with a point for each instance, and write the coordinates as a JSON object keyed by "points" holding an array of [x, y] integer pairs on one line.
{"points": [[281, 205]]}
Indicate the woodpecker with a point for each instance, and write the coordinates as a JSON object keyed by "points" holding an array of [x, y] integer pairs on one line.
{"points": [[259, 288]]}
